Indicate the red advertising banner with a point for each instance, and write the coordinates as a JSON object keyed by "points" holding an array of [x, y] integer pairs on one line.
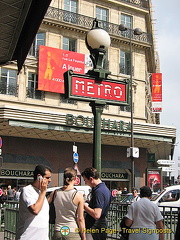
{"points": [[104, 90], [156, 92], [154, 179], [53, 63], [157, 87]]}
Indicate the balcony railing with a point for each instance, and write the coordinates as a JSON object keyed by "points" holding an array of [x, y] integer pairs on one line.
{"points": [[139, 3], [34, 94], [86, 22], [11, 89]]}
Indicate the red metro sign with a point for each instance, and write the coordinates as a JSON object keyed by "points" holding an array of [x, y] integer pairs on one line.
{"points": [[84, 87]]}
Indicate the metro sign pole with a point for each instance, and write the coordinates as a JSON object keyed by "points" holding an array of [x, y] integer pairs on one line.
{"points": [[95, 87]]}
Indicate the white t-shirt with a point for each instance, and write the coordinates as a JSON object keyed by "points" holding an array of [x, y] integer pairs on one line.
{"points": [[32, 227], [135, 199], [144, 214]]}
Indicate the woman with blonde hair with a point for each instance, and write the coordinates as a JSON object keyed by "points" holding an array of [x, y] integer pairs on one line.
{"points": [[69, 207]]}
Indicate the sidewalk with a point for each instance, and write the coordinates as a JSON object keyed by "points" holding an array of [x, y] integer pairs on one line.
{"points": [[1, 235]]}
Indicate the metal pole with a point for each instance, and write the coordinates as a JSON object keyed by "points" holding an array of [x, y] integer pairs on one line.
{"points": [[132, 127], [97, 109]]}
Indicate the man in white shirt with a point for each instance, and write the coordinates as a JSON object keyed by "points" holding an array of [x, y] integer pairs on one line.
{"points": [[34, 208], [144, 218]]}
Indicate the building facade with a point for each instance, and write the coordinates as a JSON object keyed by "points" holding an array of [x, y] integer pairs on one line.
{"points": [[42, 127]]}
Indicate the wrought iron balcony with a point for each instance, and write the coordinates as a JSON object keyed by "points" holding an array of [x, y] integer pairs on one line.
{"points": [[139, 3], [9, 89], [34, 94], [81, 21], [70, 101]]}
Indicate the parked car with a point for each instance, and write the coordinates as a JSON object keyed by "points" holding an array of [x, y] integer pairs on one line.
{"points": [[169, 197], [128, 198]]}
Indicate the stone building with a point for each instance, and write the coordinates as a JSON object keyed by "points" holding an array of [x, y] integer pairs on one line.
{"points": [[42, 126]]}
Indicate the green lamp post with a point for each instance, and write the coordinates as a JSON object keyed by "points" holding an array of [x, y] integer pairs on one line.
{"points": [[97, 41]]}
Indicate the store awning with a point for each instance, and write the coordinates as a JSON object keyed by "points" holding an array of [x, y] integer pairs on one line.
{"points": [[19, 23]]}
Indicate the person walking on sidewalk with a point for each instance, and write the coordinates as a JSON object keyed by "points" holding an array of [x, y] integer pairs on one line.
{"points": [[144, 218]]}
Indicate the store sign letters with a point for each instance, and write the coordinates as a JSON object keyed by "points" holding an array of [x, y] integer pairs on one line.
{"points": [[110, 175], [106, 124], [16, 173]]}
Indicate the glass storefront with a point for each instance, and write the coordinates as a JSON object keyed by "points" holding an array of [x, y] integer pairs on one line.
{"points": [[17, 183]]}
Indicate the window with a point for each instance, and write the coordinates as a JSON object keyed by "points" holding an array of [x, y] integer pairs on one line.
{"points": [[125, 61], [71, 7], [39, 40], [32, 91], [128, 107], [69, 101], [8, 81], [102, 14], [170, 196], [69, 44], [127, 21]]}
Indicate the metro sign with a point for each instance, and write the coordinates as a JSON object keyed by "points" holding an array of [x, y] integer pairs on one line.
{"points": [[86, 88]]}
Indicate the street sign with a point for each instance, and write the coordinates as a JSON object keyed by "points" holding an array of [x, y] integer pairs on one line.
{"points": [[88, 88], [166, 162], [74, 148], [75, 157], [168, 169], [114, 192], [133, 152]]}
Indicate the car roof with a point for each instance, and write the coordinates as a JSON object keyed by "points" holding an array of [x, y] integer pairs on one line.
{"points": [[174, 187]]}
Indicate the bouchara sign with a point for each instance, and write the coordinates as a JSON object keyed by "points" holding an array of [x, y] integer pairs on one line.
{"points": [[106, 124]]}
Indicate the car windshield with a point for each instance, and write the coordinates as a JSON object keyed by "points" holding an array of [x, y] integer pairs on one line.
{"points": [[128, 198], [155, 197]]}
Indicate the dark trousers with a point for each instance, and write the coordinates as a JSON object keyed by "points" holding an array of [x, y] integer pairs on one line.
{"points": [[99, 229]]}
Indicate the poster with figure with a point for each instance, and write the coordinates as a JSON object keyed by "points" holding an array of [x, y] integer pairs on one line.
{"points": [[154, 179], [156, 92], [53, 63]]}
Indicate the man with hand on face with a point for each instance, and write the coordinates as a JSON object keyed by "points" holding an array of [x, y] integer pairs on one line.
{"points": [[34, 208], [95, 220]]}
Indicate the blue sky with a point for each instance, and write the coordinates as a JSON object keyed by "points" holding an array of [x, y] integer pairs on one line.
{"points": [[166, 15]]}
